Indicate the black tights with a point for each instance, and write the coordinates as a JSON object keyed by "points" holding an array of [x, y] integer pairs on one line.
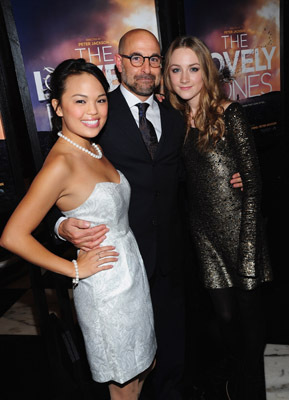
{"points": [[240, 317]]}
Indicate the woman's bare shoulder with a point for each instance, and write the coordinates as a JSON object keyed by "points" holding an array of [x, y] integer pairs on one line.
{"points": [[57, 165]]}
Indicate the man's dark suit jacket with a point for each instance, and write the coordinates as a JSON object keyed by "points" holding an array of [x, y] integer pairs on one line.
{"points": [[154, 206]]}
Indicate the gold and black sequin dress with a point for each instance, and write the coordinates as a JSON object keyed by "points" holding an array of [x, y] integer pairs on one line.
{"points": [[226, 223]]}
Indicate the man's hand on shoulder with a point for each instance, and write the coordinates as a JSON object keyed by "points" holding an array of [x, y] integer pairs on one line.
{"points": [[160, 97]]}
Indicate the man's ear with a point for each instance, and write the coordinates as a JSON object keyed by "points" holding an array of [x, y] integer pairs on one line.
{"points": [[118, 62], [57, 107]]}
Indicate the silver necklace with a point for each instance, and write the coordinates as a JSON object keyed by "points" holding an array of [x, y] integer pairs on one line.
{"points": [[94, 145]]}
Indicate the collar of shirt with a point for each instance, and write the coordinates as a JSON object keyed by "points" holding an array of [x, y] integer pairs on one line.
{"points": [[152, 114]]}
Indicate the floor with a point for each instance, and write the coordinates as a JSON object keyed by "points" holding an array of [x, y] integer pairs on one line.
{"points": [[24, 356]]}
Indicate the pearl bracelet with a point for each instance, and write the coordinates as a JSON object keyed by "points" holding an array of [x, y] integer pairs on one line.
{"points": [[75, 280]]}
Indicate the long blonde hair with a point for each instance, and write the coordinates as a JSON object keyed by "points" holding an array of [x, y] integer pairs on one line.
{"points": [[209, 116]]}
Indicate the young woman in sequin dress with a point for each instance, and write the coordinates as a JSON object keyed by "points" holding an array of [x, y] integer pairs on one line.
{"points": [[226, 224]]}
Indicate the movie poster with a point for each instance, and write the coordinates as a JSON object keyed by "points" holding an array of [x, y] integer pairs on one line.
{"points": [[244, 37], [50, 32]]}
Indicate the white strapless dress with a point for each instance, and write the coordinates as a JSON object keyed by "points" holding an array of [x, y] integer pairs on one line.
{"points": [[114, 307]]}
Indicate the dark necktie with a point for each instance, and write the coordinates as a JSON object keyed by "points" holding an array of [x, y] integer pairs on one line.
{"points": [[147, 129]]}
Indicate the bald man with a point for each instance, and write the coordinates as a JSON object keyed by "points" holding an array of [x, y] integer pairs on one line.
{"points": [[154, 212]]}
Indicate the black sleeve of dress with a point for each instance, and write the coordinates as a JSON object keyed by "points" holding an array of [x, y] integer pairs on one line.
{"points": [[248, 163]]}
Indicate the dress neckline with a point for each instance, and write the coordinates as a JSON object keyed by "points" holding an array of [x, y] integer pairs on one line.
{"points": [[95, 186]]}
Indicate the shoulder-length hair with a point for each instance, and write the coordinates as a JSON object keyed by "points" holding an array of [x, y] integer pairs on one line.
{"points": [[209, 115]]}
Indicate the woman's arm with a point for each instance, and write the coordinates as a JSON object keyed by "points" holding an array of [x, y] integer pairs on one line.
{"points": [[249, 169], [17, 236]]}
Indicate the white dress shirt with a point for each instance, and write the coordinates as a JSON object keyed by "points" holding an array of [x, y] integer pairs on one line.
{"points": [[153, 111]]}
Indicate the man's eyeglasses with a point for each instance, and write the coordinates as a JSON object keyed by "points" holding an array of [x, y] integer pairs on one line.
{"points": [[137, 60]]}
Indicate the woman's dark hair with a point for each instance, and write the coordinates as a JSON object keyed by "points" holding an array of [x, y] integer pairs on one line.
{"points": [[58, 80]]}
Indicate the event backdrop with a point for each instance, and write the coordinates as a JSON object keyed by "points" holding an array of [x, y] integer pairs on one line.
{"points": [[50, 32], [244, 36]]}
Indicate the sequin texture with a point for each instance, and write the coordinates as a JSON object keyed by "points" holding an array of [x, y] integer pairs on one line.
{"points": [[226, 223]]}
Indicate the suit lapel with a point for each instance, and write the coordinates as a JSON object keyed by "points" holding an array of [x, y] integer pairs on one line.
{"points": [[167, 127], [124, 131], [125, 122]]}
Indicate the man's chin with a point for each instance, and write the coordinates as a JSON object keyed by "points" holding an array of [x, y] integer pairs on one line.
{"points": [[144, 91]]}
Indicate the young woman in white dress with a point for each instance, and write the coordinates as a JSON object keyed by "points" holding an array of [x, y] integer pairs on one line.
{"points": [[111, 292]]}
